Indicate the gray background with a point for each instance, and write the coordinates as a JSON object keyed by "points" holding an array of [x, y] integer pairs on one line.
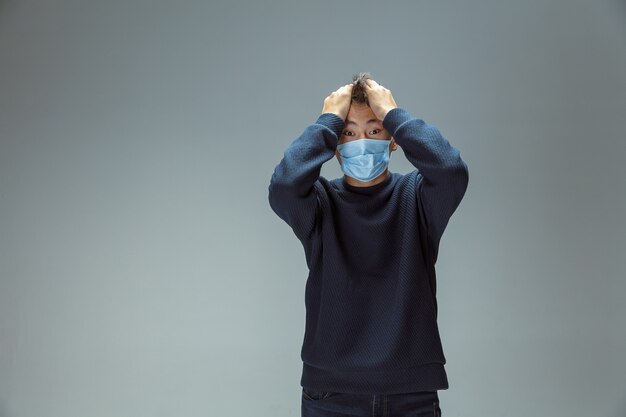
{"points": [[143, 273]]}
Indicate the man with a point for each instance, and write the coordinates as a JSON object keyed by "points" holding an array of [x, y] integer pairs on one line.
{"points": [[371, 238]]}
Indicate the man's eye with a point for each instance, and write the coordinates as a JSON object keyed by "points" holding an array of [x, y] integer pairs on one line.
{"points": [[347, 133], [375, 131]]}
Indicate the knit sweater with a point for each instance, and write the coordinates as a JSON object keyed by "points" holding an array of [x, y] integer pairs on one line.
{"points": [[370, 295]]}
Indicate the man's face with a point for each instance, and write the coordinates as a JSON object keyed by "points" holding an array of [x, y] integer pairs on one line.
{"points": [[361, 122]]}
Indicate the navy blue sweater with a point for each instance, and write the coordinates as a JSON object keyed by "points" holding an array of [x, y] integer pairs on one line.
{"points": [[370, 297]]}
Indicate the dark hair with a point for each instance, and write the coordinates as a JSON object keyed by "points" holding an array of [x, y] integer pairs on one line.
{"points": [[358, 90]]}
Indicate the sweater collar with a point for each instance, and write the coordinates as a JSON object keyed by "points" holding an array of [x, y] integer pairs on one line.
{"points": [[371, 189]]}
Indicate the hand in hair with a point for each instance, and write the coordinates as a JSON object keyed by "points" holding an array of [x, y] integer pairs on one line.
{"points": [[379, 98], [338, 101]]}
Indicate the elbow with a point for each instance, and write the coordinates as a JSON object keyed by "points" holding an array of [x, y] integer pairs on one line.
{"points": [[463, 174], [276, 198], [460, 173], [275, 191], [282, 182], [460, 176], [280, 193], [279, 187], [455, 177]]}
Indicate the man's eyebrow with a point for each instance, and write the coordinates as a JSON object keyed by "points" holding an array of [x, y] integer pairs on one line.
{"points": [[350, 122]]}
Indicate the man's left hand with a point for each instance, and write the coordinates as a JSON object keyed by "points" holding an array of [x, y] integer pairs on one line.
{"points": [[380, 99]]}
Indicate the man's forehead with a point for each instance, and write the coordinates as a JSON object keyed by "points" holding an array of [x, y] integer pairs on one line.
{"points": [[361, 113], [370, 121]]}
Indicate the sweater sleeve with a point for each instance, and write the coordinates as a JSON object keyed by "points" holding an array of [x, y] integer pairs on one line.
{"points": [[292, 194], [442, 176]]}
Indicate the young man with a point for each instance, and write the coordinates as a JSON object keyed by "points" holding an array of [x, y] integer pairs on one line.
{"points": [[371, 238]]}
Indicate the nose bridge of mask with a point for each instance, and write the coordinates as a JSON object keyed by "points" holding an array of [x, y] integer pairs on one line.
{"points": [[363, 146]]}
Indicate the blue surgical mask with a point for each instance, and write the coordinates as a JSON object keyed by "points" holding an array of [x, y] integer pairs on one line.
{"points": [[364, 159]]}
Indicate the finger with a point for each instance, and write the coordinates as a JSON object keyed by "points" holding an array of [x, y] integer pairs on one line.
{"points": [[370, 84], [346, 87], [346, 90]]}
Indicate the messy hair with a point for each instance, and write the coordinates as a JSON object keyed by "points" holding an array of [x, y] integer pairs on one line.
{"points": [[358, 89]]}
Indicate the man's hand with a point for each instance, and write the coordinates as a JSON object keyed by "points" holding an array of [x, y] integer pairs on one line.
{"points": [[338, 101], [380, 99]]}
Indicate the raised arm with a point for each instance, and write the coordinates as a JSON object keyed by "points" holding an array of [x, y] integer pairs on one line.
{"points": [[292, 194], [442, 176]]}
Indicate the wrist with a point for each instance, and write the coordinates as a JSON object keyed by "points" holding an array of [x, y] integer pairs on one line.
{"points": [[385, 111], [332, 121], [336, 113]]}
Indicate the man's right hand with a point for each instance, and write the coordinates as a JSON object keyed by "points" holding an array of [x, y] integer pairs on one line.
{"points": [[339, 101]]}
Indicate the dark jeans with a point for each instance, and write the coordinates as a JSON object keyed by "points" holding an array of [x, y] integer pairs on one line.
{"points": [[335, 404]]}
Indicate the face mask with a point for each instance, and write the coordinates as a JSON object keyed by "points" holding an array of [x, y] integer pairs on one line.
{"points": [[364, 159]]}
